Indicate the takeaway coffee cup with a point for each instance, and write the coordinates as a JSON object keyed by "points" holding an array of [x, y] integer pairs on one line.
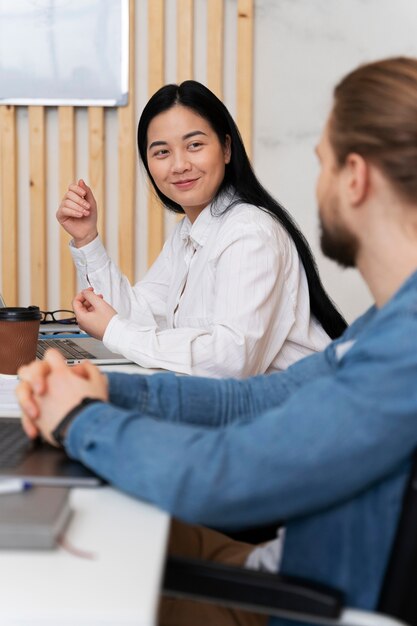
{"points": [[19, 330]]}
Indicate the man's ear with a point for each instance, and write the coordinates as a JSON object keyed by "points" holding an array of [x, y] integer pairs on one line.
{"points": [[357, 172], [227, 149]]}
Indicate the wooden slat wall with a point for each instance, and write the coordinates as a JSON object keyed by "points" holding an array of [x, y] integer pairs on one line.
{"points": [[66, 176], [8, 204], [215, 46], [37, 183], [96, 148], [245, 71], [127, 162], [185, 34], [156, 49], [127, 155]]}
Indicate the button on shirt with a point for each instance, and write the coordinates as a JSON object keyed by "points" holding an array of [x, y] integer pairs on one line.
{"points": [[227, 296]]}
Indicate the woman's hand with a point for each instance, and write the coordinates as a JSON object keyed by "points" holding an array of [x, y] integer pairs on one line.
{"points": [[92, 312], [77, 214], [49, 389]]}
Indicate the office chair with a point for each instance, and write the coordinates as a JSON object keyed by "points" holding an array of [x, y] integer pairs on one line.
{"points": [[301, 600]]}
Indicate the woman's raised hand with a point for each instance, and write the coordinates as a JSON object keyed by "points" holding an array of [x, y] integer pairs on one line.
{"points": [[77, 213]]}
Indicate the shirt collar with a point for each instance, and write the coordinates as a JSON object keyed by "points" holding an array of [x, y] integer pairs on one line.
{"points": [[199, 231]]}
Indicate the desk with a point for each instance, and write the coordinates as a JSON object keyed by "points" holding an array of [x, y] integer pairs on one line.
{"points": [[120, 587]]}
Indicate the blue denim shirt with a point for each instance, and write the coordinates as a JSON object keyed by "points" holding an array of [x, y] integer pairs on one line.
{"points": [[325, 446]]}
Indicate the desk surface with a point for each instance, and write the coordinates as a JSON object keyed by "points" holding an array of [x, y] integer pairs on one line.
{"points": [[119, 587]]}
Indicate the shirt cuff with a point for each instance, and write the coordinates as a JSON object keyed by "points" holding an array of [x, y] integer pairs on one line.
{"points": [[85, 425], [116, 337], [60, 431], [92, 256]]}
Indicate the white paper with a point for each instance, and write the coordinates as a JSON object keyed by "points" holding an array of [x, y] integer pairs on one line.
{"points": [[8, 400]]}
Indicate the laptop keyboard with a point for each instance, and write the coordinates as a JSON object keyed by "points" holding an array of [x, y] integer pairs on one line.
{"points": [[66, 347], [14, 444]]}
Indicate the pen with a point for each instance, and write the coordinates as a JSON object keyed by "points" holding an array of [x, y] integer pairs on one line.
{"points": [[14, 485]]}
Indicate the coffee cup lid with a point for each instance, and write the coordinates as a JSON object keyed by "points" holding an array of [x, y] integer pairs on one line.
{"points": [[20, 314]]}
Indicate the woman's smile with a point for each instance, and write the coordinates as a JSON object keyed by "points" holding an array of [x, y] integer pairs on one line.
{"points": [[184, 185]]}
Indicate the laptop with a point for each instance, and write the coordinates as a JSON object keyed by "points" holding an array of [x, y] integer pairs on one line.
{"points": [[37, 462], [75, 349]]}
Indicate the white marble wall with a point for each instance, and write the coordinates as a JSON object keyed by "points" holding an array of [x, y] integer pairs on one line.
{"points": [[302, 48]]}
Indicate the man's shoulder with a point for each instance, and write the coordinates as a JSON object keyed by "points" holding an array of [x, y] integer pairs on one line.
{"points": [[377, 349], [396, 318]]}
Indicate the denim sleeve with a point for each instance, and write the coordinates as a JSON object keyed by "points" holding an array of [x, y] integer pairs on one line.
{"points": [[210, 402], [333, 436]]}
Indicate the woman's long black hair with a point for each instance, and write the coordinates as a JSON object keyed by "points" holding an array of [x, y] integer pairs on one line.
{"points": [[240, 177]]}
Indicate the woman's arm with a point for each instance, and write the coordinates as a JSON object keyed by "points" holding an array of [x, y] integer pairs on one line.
{"points": [[77, 214], [145, 302]]}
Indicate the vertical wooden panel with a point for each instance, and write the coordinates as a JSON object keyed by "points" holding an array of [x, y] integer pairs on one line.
{"points": [[215, 46], [37, 174], [245, 71], [127, 156], [96, 162], [127, 148], [8, 204], [185, 34], [156, 19], [66, 176]]}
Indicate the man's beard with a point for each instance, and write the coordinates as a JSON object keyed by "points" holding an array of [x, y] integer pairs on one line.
{"points": [[338, 245]]}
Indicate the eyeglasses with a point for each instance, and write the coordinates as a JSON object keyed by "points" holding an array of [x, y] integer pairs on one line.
{"points": [[51, 317]]}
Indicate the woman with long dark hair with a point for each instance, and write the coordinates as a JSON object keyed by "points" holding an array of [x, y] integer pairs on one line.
{"points": [[235, 290]]}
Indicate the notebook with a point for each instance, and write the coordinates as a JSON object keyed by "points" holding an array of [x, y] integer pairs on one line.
{"points": [[75, 349], [37, 462], [33, 519]]}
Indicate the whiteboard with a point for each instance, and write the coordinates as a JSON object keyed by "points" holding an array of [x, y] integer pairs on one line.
{"points": [[64, 52]]}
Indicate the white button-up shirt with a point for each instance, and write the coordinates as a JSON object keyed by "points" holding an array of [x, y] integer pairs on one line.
{"points": [[227, 296]]}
